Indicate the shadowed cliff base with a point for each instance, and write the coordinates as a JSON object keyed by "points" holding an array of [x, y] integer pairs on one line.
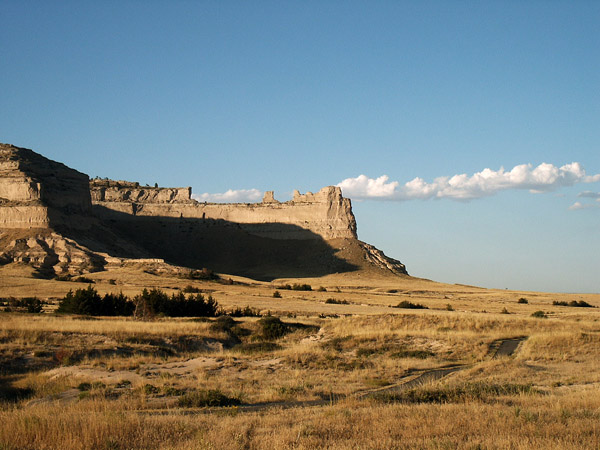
{"points": [[225, 247]]}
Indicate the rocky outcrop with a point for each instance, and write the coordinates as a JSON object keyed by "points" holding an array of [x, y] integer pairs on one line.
{"points": [[124, 191], [376, 257], [50, 252], [323, 215], [41, 203], [59, 221], [36, 192]]}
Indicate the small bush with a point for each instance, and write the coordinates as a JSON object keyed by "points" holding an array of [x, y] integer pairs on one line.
{"points": [[244, 312], [523, 301], [31, 305], [223, 324], [504, 311], [84, 280], [272, 328], [539, 314], [66, 277], [257, 347], [573, 303], [203, 398], [302, 287], [449, 307], [84, 386], [322, 289], [189, 289], [405, 304], [276, 294], [150, 389], [333, 301]]}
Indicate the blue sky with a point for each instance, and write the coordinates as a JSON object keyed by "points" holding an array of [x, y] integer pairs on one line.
{"points": [[259, 96]]}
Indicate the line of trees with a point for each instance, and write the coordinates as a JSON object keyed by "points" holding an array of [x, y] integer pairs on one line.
{"points": [[148, 304]]}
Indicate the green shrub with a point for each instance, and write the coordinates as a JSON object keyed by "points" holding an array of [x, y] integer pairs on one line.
{"points": [[276, 294], [223, 324], [150, 389], [523, 300], [333, 301], [244, 312], [88, 302], [539, 314], [257, 347], [405, 304], [203, 398], [573, 303], [272, 328], [322, 289], [156, 302], [84, 280], [189, 289], [31, 305], [301, 287]]}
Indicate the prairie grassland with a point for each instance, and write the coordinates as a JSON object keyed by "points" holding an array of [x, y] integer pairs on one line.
{"points": [[549, 422], [339, 376]]}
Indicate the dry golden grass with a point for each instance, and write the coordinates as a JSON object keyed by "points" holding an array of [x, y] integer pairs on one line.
{"points": [[137, 371]]}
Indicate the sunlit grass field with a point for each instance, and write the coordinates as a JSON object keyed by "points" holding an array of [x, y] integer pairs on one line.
{"points": [[309, 373]]}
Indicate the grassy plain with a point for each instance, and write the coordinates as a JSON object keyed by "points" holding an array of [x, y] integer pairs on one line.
{"points": [[351, 371]]}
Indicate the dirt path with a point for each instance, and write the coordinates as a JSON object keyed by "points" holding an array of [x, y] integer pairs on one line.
{"points": [[505, 347], [498, 348]]}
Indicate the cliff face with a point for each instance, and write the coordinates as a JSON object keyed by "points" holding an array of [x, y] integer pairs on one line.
{"points": [[59, 221], [325, 214], [125, 191], [36, 192]]}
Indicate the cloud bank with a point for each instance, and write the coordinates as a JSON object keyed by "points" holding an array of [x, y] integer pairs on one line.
{"points": [[543, 178], [231, 196], [578, 205], [589, 194]]}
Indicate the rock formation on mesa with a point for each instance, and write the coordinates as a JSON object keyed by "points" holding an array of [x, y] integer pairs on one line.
{"points": [[325, 215], [54, 218]]}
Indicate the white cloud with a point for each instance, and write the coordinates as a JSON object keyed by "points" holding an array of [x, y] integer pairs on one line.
{"points": [[543, 178], [589, 194], [578, 205], [231, 196]]}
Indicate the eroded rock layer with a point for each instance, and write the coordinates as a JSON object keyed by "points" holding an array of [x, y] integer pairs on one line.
{"points": [[55, 219], [323, 215], [36, 192]]}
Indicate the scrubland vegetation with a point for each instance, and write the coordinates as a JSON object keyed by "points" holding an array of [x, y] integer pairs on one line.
{"points": [[420, 375]]}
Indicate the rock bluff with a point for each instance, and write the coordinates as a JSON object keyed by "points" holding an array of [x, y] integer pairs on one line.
{"points": [[36, 192], [59, 221], [325, 214]]}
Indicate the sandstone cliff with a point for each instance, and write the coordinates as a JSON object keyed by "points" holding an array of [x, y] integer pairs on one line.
{"points": [[325, 215], [36, 192], [57, 220]]}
